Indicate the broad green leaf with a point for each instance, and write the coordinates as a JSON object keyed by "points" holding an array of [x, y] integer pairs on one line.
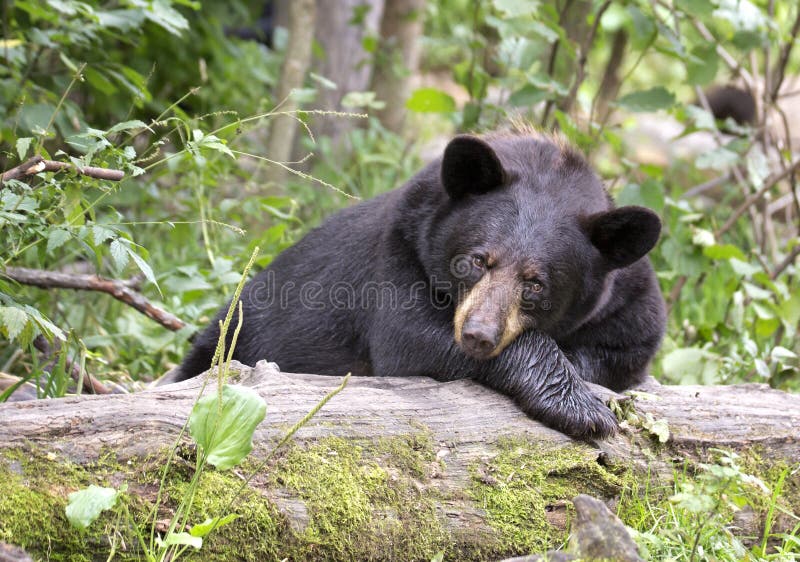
{"points": [[86, 505], [431, 100], [224, 430], [514, 8], [183, 539], [99, 82], [100, 234], [690, 365], [718, 159], [647, 100], [124, 20], [161, 13], [723, 252], [202, 529], [119, 252], [13, 319], [528, 96], [23, 143], [649, 194], [741, 267], [56, 238], [703, 64]]}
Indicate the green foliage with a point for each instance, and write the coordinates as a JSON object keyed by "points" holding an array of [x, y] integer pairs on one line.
{"points": [[222, 424], [734, 309], [696, 521], [87, 504]]}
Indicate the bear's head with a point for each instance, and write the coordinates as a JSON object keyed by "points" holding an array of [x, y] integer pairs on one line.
{"points": [[526, 237]]}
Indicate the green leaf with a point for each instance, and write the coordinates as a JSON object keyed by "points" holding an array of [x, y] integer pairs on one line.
{"points": [[718, 159], [647, 100], [86, 505], [741, 267], [431, 100], [514, 8], [202, 529], [183, 539], [649, 194], [657, 427], [362, 99], [143, 266], [161, 13], [723, 252], [23, 143], [56, 238], [126, 125], [703, 64], [119, 252], [224, 429], [124, 20], [690, 365], [14, 319], [100, 234]]}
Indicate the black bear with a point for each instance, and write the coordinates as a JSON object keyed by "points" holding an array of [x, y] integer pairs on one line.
{"points": [[504, 261]]}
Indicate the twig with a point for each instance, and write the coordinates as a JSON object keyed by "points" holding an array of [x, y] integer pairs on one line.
{"points": [[119, 289], [783, 59], [583, 55], [703, 187], [38, 164], [90, 384], [769, 183], [785, 263], [737, 68]]}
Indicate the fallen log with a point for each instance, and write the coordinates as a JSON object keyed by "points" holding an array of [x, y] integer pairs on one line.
{"points": [[390, 468]]}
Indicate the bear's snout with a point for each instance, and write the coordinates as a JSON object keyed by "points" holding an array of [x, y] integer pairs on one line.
{"points": [[479, 339]]}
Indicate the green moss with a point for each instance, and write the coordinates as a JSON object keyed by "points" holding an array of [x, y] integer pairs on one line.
{"points": [[523, 480], [32, 502], [364, 504]]}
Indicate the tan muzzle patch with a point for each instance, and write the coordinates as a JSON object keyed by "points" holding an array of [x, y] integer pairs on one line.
{"points": [[495, 296]]}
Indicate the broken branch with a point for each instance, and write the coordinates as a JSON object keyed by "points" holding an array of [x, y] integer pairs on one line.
{"points": [[120, 290]]}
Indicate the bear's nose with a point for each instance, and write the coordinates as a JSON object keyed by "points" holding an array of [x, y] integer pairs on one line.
{"points": [[478, 340]]}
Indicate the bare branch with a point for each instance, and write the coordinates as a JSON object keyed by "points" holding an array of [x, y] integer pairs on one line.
{"points": [[769, 183], [119, 289], [789, 260], [783, 59], [583, 56], [38, 164]]}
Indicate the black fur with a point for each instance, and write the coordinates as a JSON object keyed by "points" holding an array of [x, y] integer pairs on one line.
{"points": [[373, 291]]}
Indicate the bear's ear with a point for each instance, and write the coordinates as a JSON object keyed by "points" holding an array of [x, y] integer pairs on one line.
{"points": [[470, 166], [624, 235]]}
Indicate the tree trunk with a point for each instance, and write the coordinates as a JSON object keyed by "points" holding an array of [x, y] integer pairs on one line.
{"points": [[390, 468], [341, 32], [302, 18], [398, 58]]}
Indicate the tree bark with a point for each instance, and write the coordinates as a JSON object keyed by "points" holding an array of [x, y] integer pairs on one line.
{"points": [[302, 19], [398, 58], [346, 63], [465, 423]]}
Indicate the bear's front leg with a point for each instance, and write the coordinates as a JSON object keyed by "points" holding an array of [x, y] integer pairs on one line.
{"points": [[537, 374], [532, 370]]}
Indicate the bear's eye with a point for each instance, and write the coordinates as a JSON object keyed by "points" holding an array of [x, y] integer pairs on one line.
{"points": [[531, 289], [479, 262]]}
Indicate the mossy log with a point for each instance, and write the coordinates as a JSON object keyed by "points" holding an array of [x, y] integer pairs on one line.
{"points": [[390, 468]]}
